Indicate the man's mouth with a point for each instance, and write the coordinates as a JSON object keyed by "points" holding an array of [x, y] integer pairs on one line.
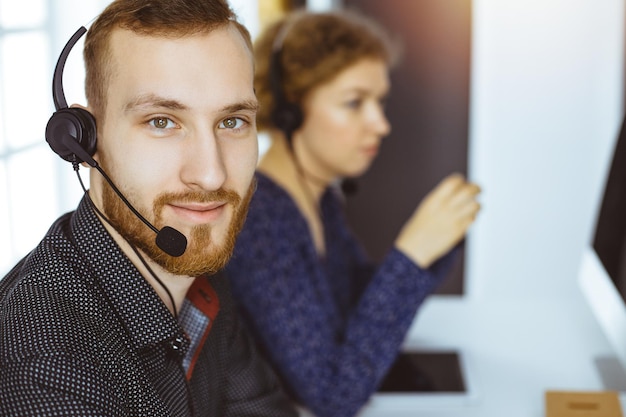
{"points": [[197, 212]]}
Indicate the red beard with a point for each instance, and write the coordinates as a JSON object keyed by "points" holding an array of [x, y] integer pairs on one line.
{"points": [[203, 255]]}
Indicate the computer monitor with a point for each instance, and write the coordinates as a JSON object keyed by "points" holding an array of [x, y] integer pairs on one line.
{"points": [[603, 268]]}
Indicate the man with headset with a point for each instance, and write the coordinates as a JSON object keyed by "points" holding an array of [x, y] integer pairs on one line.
{"points": [[121, 310]]}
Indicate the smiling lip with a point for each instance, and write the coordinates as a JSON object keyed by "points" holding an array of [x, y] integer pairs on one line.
{"points": [[371, 150], [199, 212]]}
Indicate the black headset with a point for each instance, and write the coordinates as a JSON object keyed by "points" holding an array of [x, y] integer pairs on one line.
{"points": [[70, 132], [286, 115]]}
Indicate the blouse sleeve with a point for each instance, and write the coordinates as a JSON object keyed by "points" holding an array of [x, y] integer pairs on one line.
{"points": [[331, 374]]}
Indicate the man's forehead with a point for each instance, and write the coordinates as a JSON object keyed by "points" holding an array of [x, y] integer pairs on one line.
{"points": [[153, 71], [125, 44], [120, 35], [125, 41]]}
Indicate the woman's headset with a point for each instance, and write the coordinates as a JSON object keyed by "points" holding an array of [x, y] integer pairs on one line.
{"points": [[286, 115]]}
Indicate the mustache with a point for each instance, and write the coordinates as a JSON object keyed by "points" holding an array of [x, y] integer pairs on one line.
{"points": [[196, 196]]}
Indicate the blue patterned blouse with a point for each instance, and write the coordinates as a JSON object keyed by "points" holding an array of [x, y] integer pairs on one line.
{"points": [[331, 327]]}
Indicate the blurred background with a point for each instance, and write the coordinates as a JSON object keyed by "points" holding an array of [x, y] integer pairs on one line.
{"points": [[525, 97]]}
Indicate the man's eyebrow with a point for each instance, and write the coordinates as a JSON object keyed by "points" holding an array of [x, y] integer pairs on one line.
{"points": [[152, 101], [246, 105]]}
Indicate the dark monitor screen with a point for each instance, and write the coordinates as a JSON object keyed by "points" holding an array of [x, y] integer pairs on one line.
{"points": [[602, 274], [610, 233]]}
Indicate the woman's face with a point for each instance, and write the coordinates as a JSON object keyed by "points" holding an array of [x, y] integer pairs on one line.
{"points": [[344, 122]]}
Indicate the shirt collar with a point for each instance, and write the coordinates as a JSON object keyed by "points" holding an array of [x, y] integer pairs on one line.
{"points": [[145, 316]]}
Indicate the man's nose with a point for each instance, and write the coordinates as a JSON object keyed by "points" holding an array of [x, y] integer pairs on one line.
{"points": [[203, 165]]}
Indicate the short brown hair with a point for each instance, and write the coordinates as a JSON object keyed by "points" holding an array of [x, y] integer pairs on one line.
{"points": [[315, 48], [163, 18]]}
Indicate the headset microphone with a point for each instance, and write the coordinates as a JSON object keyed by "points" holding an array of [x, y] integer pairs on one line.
{"points": [[71, 133]]}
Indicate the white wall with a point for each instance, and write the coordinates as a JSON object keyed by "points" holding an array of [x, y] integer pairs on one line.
{"points": [[546, 106]]}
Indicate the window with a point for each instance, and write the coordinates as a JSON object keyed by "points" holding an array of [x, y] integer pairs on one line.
{"points": [[36, 186]]}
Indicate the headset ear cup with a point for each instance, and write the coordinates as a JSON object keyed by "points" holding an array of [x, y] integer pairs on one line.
{"points": [[287, 117], [77, 124]]}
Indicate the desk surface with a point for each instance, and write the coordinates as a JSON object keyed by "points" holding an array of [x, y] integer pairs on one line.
{"points": [[514, 350]]}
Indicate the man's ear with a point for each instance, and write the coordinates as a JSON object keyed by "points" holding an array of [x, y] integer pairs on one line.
{"points": [[80, 106]]}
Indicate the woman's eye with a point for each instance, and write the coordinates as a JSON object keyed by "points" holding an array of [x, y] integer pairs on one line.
{"points": [[354, 104], [232, 123], [161, 123]]}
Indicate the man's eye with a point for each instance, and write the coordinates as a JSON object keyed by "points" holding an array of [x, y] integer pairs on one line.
{"points": [[161, 123], [232, 123]]}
